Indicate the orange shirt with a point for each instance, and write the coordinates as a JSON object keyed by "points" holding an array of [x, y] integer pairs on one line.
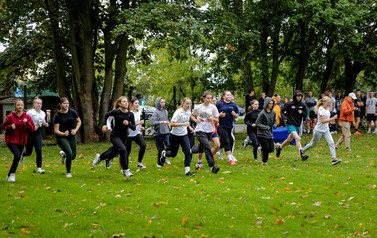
{"points": [[278, 112], [347, 111]]}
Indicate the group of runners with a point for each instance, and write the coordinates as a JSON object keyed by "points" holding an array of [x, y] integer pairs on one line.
{"points": [[211, 120]]}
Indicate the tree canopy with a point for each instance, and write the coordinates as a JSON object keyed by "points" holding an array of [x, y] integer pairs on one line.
{"points": [[93, 51]]}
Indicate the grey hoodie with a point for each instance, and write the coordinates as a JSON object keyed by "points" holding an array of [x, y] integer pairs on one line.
{"points": [[160, 115], [265, 121]]}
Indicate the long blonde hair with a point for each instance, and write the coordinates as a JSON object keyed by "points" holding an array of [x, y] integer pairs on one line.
{"points": [[118, 101], [320, 103]]}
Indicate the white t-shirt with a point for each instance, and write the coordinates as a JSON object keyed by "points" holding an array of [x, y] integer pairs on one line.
{"points": [[180, 116], [322, 127], [332, 105], [202, 113], [38, 117], [134, 133], [371, 103]]}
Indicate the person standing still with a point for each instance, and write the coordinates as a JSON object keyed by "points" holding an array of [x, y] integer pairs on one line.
{"points": [[347, 116]]}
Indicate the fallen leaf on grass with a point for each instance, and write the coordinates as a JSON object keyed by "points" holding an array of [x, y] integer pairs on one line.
{"points": [[279, 221], [157, 204], [24, 231], [372, 185], [118, 235], [317, 204], [184, 220], [227, 172], [327, 216]]}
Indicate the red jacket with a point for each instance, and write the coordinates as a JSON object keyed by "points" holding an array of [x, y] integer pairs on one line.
{"points": [[347, 111], [19, 135]]}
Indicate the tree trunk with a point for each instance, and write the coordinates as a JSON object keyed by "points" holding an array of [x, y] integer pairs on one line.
{"points": [[330, 60], [352, 69], [120, 68], [61, 81], [81, 42], [264, 61], [246, 73], [275, 63], [304, 54]]}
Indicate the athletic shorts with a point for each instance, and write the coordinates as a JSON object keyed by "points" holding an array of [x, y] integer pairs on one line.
{"points": [[312, 115], [357, 114], [371, 117], [292, 128], [214, 135]]}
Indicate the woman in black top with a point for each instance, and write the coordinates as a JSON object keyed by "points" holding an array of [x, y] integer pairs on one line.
{"points": [[250, 120], [123, 119], [66, 124]]}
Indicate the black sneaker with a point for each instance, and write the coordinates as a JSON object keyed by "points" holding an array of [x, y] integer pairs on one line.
{"points": [[303, 156], [189, 174], [163, 157], [335, 161], [107, 164], [278, 151], [215, 170]]}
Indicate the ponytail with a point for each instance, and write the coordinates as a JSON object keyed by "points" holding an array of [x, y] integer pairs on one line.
{"points": [[320, 103], [118, 101]]}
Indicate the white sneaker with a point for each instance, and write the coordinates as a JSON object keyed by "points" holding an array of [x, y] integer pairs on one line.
{"points": [[127, 173], [141, 166], [199, 165], [41, 171], [63, 155], [368, 132], [219, 154], [264, 163], [375, 131], [167, 161], [234, 159], [11, 178], [68, 175], [245, 143], [158, 166], [96, 160]]}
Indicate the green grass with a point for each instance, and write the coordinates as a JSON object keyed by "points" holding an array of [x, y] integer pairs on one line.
{"points": [[286, 198]]}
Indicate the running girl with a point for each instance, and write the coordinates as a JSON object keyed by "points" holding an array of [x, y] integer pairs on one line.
{"points": [[35, 137], [228, 110], [322, 128], [204, 115], [123, 119], [17, 126], [135, 135], [66, 124], [179, 124], [250, 120], [265, 122], [161, 125]]}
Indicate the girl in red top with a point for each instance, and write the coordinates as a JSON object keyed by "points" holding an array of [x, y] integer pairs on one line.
{"points": [[17, 126]]}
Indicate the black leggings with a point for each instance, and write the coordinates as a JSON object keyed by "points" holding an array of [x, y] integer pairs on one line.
{"points": [[16, 151], [267, 147], [226, 138], [184, 141], [34, 140], [255, 142], [119, 147], [204, 146], [139, 140], [162, 143]]}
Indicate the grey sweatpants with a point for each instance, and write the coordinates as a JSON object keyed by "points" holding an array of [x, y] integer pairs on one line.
{"points": [[317, 135]]}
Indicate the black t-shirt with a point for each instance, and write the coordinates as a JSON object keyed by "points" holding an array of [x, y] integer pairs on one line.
{"points": [[248, 100], [66, 121], [119, 129]]}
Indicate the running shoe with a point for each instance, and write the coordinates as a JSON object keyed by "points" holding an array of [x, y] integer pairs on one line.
{"points": [[162, 157], [215, 170], [264, 163], [303, 156], [232, 162], [127, 173], [41, 171], [335, 161], [96, 160], [167, 161], [256, 160], [141, 166], [189, 174], [69, 175], [108, 163], [245, 143], [63, 155], [199, 165], [22, 159], [219, 154], [11, 178], [357, 133], [234, 159], [158, 165]]}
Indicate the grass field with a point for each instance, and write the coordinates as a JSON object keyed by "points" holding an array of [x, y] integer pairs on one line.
{"points": [[286, 198]]}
